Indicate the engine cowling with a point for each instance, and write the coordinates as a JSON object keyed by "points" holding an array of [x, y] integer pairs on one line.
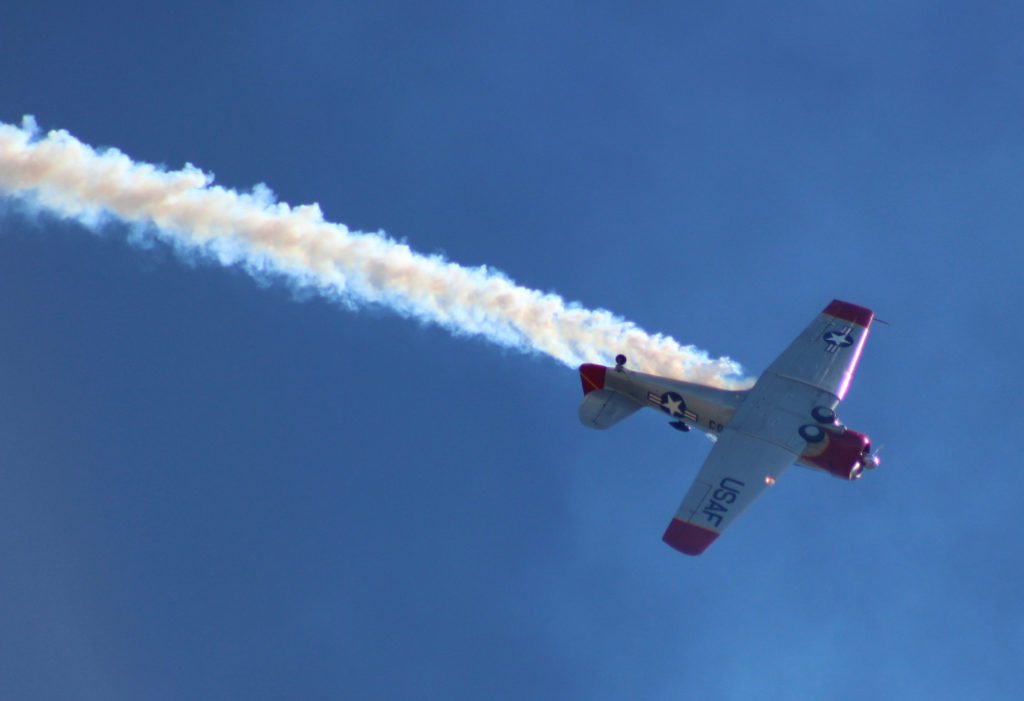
{"points": [[838, 451]]}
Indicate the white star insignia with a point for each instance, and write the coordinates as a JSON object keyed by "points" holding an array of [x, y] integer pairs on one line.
{"points": [[839, 339], [672, 406]]}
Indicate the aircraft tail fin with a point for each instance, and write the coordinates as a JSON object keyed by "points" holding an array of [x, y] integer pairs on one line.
{"points": [[601, 407]]}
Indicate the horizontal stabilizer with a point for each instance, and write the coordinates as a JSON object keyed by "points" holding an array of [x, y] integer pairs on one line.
{"points": [[603, 408]]}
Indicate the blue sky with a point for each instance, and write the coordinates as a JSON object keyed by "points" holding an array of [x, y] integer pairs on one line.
{"points": [[213, 489]]}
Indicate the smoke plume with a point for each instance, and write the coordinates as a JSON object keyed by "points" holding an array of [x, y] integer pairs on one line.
{"points": [[185, 209]]}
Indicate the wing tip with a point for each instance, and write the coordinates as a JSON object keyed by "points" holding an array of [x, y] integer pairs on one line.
{"points": [[688, 538], [853, 313]]}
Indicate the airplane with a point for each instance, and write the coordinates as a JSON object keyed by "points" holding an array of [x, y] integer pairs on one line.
{"points": [[788, 416]]}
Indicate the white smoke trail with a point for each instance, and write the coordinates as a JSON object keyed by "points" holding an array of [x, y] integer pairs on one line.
{"points": [[184, 208]]}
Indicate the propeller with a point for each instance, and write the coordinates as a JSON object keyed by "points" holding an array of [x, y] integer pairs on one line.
{"points": [[871, 460]]}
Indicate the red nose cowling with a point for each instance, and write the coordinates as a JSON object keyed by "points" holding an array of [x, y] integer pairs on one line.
{"points": [[844, 455]]}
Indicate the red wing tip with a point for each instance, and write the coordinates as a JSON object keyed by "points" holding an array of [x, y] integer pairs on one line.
{"points": [[861, 316], [688, 538], [592, 377]]}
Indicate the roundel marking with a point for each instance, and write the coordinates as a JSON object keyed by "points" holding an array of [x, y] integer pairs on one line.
{"points": [[812, 433], [839, 338], [673, 404]]}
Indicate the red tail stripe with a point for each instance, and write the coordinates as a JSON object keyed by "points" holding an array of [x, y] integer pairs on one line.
{"points": [[592, 377]]}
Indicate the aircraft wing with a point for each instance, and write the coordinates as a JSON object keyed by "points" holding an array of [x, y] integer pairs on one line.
{"points": [[826, 353], [764, 436], [738, 469]]}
